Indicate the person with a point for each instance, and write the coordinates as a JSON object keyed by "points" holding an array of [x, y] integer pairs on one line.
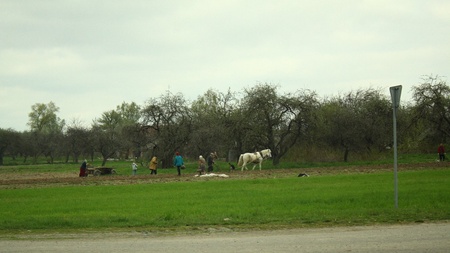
{"points": [[210, 162], [441, 152], [201, 165], [178, 162], [83, 169], [153, 165], [134, 168]]}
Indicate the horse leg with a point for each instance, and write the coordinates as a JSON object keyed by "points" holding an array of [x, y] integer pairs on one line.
{"points": [[244, 166]]}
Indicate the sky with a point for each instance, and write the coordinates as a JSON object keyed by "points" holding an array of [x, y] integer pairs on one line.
{"points": [[88, 57]]}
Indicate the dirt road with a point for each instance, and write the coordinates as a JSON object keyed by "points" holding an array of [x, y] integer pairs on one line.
{"points": [[396, 238]]}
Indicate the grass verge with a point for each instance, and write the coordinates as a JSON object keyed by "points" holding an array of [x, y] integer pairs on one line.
{"points": [[331, 200]]}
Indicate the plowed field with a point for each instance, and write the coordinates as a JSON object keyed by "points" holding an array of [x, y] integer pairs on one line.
{"points": [[46, 179]]}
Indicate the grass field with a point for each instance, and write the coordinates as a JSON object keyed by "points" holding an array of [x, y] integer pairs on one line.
{"points": [[265, 203]]}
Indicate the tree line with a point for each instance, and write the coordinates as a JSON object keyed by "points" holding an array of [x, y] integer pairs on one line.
{"points": [[358, 122]]}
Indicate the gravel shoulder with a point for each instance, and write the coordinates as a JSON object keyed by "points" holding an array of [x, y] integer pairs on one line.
{"points": [[411, 238]]}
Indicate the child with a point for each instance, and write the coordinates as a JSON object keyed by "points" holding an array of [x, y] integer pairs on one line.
{"points": [[134, 167]]}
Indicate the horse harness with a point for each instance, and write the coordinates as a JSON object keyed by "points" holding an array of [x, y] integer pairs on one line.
{"points": [[260, 154]]}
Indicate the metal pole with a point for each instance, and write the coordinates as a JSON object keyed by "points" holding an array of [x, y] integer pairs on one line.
{"points": [[396, 92], [395, 159]]}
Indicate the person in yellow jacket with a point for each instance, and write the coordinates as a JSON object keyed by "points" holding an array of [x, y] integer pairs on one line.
{"points": [[153, 165]]}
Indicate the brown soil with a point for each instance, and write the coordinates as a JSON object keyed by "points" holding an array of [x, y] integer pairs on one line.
{"points": [[32, 180]]}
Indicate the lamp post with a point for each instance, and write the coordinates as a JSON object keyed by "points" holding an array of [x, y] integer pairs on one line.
{"points": [[396, 92]]}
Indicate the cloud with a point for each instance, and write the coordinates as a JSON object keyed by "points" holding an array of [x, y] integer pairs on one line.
{"points": [[39, 62], [90, 56]]}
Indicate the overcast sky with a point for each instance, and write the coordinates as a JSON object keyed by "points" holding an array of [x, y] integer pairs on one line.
{"points": [[90, 56]]}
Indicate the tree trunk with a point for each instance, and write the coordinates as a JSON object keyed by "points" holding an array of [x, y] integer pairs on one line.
{"points": [[106, 156], [167, 162], [233, 156], [346, 154], [275, 160]]}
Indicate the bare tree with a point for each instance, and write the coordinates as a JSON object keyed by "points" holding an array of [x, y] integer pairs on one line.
{"points": [[356, 122], [211, 129], [432, 99], [276, 121], [7, 139], [168, 118], [76, 138], [107, 136]]}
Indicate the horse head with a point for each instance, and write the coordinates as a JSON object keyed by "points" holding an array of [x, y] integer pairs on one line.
{"points": [[266, 153]]}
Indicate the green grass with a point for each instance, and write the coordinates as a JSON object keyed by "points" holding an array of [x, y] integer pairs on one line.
{"points": [[351, 199]]}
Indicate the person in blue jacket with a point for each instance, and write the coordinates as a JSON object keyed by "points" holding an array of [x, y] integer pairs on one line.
{"points": [[178, 162]]}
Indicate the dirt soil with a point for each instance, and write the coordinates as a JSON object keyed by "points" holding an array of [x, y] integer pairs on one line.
{"points": [[45, 179]]}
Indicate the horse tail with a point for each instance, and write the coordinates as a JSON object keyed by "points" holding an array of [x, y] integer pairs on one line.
{"points": [[241, 161]]}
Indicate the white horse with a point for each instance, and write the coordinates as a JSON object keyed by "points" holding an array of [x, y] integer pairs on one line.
{"points": [[255, 158]]}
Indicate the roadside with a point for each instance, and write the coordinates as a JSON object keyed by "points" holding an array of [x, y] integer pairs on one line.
{"points": [[412, 238]]}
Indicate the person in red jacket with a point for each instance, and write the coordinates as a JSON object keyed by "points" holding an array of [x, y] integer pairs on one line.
{"points": [[441, 152], [83, 169]]}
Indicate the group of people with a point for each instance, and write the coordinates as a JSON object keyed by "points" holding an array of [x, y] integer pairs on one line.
{"points": [[178, 162], [202, 163], [153, 165]]}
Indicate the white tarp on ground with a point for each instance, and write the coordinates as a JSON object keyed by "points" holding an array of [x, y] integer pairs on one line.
{"points": [[212, 175]]}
